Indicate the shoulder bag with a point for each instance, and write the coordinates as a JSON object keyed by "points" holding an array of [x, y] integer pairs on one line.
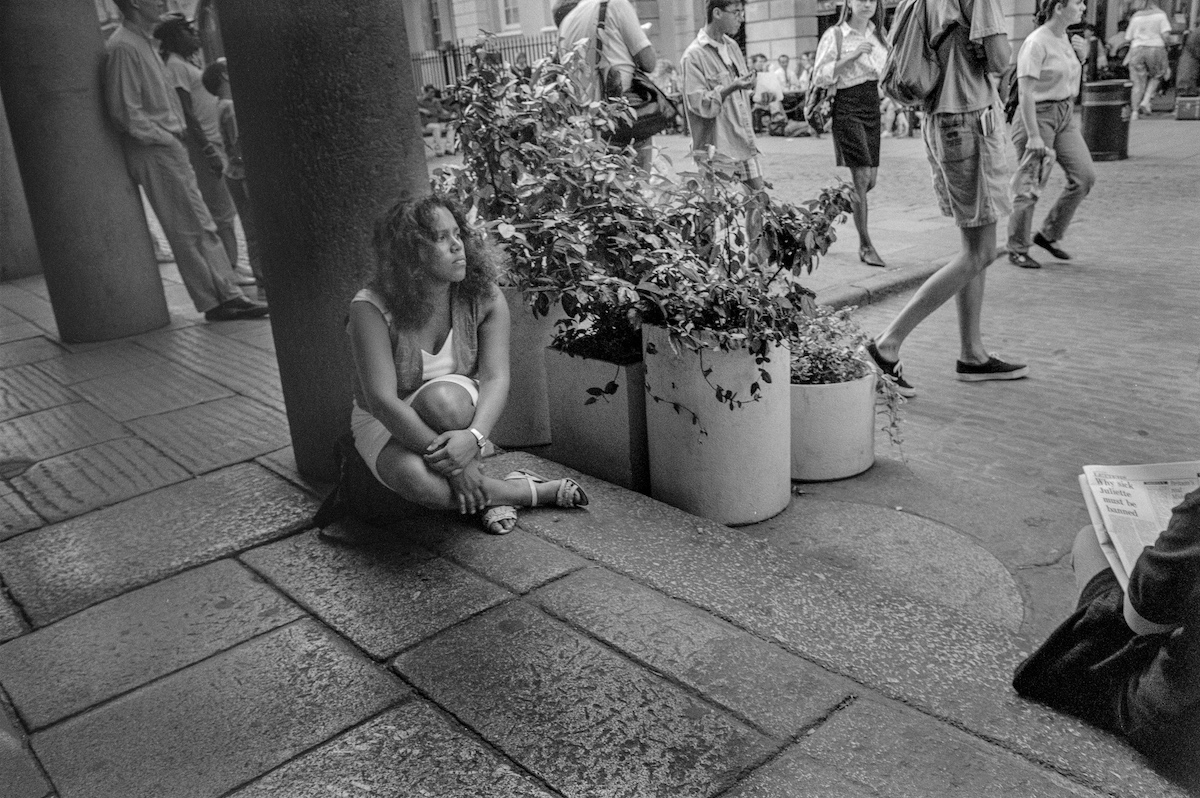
{"points": [[818, 105], [653, 111]]}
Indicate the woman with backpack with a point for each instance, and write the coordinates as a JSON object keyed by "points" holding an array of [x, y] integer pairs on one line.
{"points": [[1045, 129], [850, 59]]}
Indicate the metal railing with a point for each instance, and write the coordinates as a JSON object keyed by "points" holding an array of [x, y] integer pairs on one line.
{"points": [[445, 66]]}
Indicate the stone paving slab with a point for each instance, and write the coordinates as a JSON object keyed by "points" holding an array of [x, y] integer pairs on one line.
{"points": [[773, 689], [16, 516], [11, 624], [884, 749], [577, 715], [283, 462], [60, 569], [18, 331], [215, 725], [95, 476], [519, 561], [105, 360], [116, 646], [383, 597], [242, 368], [26, 389], [22, 778], [930, 656], [28, 350], [28, 298], [148, 391], [208, 436], [46, 433], [412, 750]]}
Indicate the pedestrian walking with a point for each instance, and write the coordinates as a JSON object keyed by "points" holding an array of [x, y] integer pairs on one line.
{"points": [[205, 146], [968, 153], [1147, 59], [143, 105], [717, 87], [1045, 130], [429, 335], [850, 58]]}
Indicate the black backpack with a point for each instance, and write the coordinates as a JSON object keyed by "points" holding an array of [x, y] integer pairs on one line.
{"points": [[360, 495]]}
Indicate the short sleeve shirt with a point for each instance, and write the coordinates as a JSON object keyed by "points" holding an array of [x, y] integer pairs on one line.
{"points": [[965, 82], [1148, 30], [1051, 61], [623, 35], [187, 76]]}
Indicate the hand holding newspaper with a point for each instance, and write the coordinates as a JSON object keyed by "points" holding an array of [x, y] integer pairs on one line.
{"points": [[1131, 505]]}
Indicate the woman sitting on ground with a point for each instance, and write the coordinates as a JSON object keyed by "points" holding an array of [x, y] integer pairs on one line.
{"points": [[430, 341]]}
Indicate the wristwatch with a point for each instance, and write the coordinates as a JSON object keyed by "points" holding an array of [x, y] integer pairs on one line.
{"points": [[479, 439]]}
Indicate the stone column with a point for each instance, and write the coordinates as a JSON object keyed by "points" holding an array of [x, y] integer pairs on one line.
{"points": [[87, 215], [18, 249], [326, 106]]}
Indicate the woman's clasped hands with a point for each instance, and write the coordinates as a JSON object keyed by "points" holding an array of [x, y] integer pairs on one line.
{"points": [[455, 455]]}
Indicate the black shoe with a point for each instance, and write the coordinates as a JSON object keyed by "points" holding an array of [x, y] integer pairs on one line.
{"points": [[1023, 260], [993, 369], [1049, 246], [891, 370], [239, 308]]}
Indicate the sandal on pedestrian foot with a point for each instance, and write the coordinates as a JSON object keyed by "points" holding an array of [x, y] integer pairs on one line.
{"points": [[569, 493], [499, 520]]}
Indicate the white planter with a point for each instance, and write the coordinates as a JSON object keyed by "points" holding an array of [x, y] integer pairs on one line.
{"points": [[526, 417], [607, 438], [728, 465], [833, 429]]}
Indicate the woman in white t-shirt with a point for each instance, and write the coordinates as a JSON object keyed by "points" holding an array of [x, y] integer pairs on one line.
{"points": [[1147, 59], [1045, 128]]}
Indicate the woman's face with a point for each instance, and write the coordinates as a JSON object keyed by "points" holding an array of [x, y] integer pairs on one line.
{"points": [[445, 258], [862, 9], [1072, 11]]}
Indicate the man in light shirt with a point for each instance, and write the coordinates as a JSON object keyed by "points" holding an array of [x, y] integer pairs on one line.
{"points": [[624, 48], [142, 104], [717, 89]]}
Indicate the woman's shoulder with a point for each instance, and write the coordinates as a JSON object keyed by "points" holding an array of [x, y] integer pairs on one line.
{"points": [[372, 297]]}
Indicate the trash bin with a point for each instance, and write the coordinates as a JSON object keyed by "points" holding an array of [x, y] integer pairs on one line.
{"points": [[1106, 109]]}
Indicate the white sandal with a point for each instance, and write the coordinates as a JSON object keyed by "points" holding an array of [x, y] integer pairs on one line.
{"points": [[570, 493], [494, 519]]}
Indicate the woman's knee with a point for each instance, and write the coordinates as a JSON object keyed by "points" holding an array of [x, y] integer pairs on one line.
{"points": [[406, 475], [444, 406]]}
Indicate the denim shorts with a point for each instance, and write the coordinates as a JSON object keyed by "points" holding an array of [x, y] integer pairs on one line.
{"points": [[971, 167]]}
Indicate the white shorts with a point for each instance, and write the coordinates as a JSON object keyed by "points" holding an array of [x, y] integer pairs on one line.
{"points": [[370, 436]]}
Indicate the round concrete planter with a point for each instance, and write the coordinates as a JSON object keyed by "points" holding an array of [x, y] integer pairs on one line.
{"points": [[727, 465], [607, 438], [833, 429], [526, 417]]}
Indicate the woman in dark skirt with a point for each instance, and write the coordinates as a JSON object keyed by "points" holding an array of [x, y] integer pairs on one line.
{"points": [[850, 57]]}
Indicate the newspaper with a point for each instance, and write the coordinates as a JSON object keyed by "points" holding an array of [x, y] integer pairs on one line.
{"points": [[1131, 505]]}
